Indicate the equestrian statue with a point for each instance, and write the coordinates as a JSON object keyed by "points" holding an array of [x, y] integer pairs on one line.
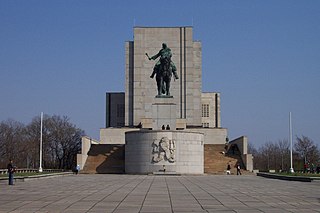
{"points": [[163, 70]]}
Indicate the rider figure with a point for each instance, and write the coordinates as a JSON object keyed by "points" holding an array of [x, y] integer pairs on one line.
{"points": [[165, 52]]}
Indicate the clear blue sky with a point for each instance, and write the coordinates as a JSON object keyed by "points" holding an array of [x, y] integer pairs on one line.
{"points": [[60, 57]]}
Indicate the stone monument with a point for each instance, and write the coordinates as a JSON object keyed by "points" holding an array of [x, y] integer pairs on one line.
{"points": [[150, 151], [170, 126]]}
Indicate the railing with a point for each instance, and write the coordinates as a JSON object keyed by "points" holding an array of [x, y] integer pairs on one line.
{"points": [[5, 171]]}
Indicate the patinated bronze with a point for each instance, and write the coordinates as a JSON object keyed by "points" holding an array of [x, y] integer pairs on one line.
{"points": [[163, 70]]}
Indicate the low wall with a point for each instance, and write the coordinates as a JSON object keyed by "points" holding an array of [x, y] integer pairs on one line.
{"points": [[242, 144], [114, 135], [284, 177], [212, 135], [85, 147], [5, 171]]}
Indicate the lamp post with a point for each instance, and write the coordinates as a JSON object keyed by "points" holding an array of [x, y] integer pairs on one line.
{"points": [[290, 136], [40, 164]]}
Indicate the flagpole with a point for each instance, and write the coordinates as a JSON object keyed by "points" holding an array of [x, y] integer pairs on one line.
{"points": [[290, 136], [40, 164]]}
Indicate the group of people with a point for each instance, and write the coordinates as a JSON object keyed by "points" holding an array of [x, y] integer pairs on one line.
{"points": [[311, 168], [237, 167], [165, 128]]}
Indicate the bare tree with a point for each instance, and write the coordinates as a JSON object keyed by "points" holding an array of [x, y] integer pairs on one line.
{"points": [[264, 157], [12, 143], [307, 149], [61, 142], [276, 155], [272, 155], [284, 151], [256, 155], [251, 149]]}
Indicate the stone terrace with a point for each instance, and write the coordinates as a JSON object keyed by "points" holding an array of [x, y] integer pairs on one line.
{"points": [[138, 193]]}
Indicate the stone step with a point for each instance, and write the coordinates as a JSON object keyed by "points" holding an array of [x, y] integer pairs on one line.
{"points": [[216, 159], [105, 158]]}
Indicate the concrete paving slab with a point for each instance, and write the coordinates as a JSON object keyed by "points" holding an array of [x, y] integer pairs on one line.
{"points": [[142, 193]]}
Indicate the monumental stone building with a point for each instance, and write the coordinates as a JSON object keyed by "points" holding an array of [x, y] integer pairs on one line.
{"points": [[145, 133]]}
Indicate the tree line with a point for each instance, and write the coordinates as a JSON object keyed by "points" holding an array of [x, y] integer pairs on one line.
{"points": [[276, 155], [61, 142]]}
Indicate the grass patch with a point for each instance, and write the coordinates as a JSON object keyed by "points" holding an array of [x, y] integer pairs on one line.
{"points": [[27, 174], [299, 174]]}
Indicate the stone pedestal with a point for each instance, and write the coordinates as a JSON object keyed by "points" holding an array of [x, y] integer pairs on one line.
{"points": [[164, 113], [176, 152]]}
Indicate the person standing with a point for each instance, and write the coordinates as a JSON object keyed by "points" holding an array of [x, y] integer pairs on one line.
{"points": [[228, 169], [11, 170], [238, 169], [78, 169]]}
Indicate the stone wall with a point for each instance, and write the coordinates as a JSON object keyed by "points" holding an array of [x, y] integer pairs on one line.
{"points": [[141, 90], [117, 135], [115, 109], [85, 147], [213, 100], [242, 143], [143, 153], [114, 135], [212, 135]]}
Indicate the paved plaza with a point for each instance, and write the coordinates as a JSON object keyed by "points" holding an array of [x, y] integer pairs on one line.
{"points": [[139, 193]]}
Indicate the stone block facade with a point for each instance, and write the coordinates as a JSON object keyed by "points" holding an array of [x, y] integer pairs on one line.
{"points": [[141, 90]]}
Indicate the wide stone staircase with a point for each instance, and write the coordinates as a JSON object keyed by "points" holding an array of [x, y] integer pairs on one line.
{"points": [[109, 159], [216, 159], [105, 158]]}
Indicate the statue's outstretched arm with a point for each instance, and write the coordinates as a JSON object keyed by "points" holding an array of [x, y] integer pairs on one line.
{"points": [[156, 56], [148, 56]]}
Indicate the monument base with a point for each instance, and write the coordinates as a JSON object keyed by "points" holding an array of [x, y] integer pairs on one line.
{"points": [[164, 96], [164, 113], [150, 152], [166, 173]]}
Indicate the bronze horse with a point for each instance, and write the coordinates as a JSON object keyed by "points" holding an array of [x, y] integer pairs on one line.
{"points": [[164, 75], [163, 70]]}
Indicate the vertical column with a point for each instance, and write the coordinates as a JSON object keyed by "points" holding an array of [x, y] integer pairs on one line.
{"points": [[183, 71], [181, 81], [108, 110], [129, 97], [217, 110]]}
